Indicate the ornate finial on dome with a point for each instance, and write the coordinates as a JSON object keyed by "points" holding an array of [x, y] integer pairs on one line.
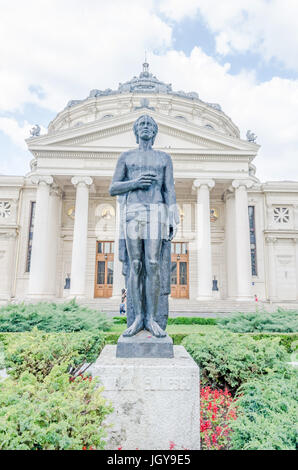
{"points": [[145, 72]]}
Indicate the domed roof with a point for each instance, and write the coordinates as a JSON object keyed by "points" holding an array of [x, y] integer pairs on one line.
{"points": [[144, 92], [146, 82]]}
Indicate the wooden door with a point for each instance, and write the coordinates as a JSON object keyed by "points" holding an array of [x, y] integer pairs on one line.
{"points": [[104, 269], [180, 271]]}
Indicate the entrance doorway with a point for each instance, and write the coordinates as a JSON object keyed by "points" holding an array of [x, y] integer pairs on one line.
{"points": [[104, 269], [180, 270]]}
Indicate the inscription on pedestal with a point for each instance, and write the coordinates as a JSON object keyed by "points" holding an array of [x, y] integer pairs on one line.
{"points": [[146, 383]]}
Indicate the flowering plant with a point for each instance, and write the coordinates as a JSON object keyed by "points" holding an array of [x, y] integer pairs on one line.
{"points": [[217, 411]]}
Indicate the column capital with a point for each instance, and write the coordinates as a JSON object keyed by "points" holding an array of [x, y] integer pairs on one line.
{"points": [[228, 194], [87, 180], [242, 183], [56, 191], [13, 234], [38, 179], [271, 240], [198, 183]]}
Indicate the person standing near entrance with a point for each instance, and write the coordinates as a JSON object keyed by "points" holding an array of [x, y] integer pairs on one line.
{"points": [[123, 300]]}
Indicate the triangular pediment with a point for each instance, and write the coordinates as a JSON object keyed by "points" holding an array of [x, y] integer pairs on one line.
{"points": [[118, 133]]}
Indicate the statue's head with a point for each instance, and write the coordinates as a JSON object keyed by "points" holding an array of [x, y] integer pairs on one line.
{"points": [[145, 128]]}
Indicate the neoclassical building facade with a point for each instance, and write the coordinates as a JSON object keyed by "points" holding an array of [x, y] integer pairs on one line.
{"points": [[238, 237]]}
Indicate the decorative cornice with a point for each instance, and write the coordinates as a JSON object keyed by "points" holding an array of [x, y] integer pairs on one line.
{"points": [[212, 156]]}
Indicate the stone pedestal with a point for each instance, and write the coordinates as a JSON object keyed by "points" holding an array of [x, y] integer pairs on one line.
{"points": [[145, 345], [155, 400]]}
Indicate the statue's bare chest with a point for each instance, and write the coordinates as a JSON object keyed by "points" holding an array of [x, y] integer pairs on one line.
{"points": [[143, 162]]}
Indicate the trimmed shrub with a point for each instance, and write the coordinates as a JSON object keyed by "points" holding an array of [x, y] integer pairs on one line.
{"points": [[120, 320], [267, 414], [176, 321], [37, 352], [230, 360], [111, 338], [51, 317], [54, 414], [281, 321], [191, 321], [287, 340]]}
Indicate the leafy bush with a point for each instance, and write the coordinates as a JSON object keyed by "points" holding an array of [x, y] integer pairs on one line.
{"points": [[38, 352], [217, 412], [281, 321], [51, 317], [191, 321], [54, 414], [267, 414], [288, 340], [229, 360], [112, 338]]}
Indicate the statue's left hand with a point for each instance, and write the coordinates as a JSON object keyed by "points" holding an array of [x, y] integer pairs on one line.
{"points": [[172, 232]]}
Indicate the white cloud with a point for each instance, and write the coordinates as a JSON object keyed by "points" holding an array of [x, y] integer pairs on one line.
{"points": [[269, 109], [268, 27], [17, 133], [69, 47], [64, 49]]}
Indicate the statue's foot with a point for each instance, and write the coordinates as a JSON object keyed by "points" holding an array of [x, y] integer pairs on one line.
{"points": [[154, 328], [138, 325]]}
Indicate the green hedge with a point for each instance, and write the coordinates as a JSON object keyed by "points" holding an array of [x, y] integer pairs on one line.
{"points": [[51, 317], [41, 406], [38, 352], [281, 321], [176, 321], [53, 414], [288, 341], [230, 360], [267, 413]]}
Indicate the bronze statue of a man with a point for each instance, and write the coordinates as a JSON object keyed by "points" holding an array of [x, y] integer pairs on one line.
{"points": [[144, 179]]}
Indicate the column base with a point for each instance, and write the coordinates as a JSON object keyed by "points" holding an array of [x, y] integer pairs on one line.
{"points": [[41, 297], [116, 298], [204, 298], [247, 298], [76, 296]]}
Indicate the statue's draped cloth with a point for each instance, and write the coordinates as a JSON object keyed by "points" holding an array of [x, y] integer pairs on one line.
{"points": [[137, 219]]}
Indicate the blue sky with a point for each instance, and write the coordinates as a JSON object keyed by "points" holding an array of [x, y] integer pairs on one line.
{"points": [[240, 54]]}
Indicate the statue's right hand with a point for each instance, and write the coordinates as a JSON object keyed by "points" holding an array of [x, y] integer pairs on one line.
{"points": [[144, 181]]}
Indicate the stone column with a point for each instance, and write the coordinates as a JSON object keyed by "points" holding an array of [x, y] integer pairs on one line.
{"points": [[203, 229], [230, 244], [119, 280], [80, 237], [54, 234], [39, 277], [272, 295], [242, 239]]}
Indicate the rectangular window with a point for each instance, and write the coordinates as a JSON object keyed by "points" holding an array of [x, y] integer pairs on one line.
{"points": [[252, 234], [30, 236]]}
